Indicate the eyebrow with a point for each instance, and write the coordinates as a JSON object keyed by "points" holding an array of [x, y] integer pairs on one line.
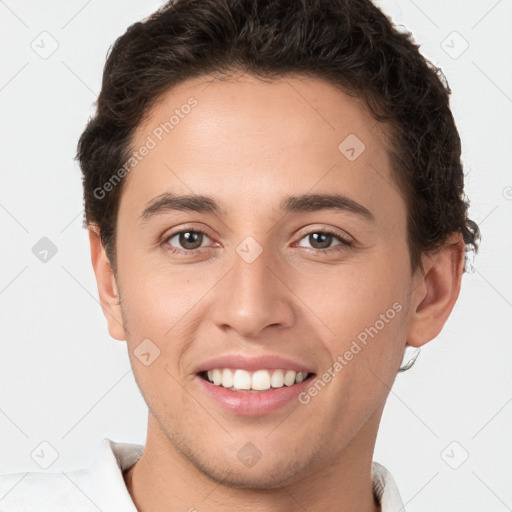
{"points": [[302, 203]]}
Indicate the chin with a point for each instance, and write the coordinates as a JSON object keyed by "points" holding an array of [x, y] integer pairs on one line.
{"points": [[271, 470], [263, 479]]}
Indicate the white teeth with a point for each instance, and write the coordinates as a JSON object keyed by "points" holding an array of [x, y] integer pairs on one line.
{"points": [[289, 378], [217, 377], [227, 378], [260, 380], [277, 379], [241, 379]]}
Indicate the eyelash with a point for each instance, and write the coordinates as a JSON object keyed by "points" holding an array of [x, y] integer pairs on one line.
{"points": [[343, 245]]}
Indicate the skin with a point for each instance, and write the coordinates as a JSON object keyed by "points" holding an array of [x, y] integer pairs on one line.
{"points": [[249, 144]]}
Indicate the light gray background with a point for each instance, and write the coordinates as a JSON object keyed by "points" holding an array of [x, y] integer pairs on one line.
{"points": [[64, 381]]}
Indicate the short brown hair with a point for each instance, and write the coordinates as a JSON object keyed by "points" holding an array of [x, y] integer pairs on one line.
{"points": [[349, 43]]}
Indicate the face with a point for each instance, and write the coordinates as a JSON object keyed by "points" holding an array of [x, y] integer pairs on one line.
{"points": [[261, 277]]}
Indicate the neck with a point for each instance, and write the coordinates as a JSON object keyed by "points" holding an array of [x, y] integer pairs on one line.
{"points": [[164, 480]]}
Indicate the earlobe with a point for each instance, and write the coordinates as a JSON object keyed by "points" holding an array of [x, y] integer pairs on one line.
{"points": [[436, 294], [107, 286]]}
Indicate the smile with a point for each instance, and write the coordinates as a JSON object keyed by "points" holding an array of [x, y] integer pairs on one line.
{"points": [[250, 385], [256, 381]]}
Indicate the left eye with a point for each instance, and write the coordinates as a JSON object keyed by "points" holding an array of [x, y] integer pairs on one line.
{"points": [[324, 240], [189, 240]]}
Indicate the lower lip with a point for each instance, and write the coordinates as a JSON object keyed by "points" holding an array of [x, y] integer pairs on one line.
{"points": [[253, 404]]}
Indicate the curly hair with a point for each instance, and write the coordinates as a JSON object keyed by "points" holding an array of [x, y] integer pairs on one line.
{"points": [[349, 43]]}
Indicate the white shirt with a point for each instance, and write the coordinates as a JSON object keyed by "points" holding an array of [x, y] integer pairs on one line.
{"points": [[101, 487]]}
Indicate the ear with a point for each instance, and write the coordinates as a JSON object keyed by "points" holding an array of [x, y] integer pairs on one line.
{"points": [[107, 285], [436, 291]]}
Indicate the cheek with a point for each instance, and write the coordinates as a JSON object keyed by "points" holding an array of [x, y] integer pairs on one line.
{"points": [[351, 298], [165, 306], [155, 295], [364, 312], [156, 311]]}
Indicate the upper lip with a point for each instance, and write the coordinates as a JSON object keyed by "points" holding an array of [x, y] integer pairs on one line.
{"points": [[261, 362]]}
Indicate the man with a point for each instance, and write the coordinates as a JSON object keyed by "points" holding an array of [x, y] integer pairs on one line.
{"points": [[274, 198]]}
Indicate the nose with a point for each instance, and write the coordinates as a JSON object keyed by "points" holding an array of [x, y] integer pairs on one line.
{"points": [[253, 295]]}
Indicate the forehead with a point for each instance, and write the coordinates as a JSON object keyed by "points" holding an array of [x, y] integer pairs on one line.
{"points": [[244, 137]]}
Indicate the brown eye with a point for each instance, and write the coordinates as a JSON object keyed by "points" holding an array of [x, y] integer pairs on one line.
{"points": [[187, 240], [321, 241]]}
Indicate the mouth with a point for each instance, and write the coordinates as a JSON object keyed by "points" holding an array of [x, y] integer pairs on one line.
{"points": [[248, 385], [259, 381]]}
